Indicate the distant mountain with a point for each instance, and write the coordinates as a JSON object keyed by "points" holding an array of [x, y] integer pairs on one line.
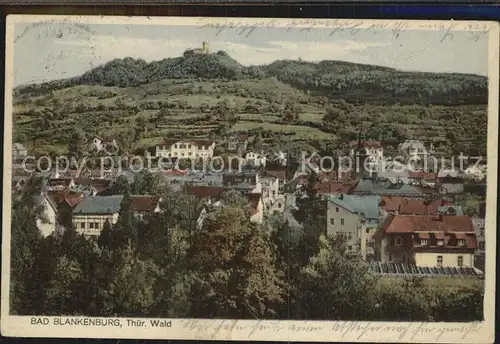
{"points": [[357, 83]]}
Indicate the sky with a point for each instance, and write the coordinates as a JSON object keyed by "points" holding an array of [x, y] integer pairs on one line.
{"points": [[58, 50]]}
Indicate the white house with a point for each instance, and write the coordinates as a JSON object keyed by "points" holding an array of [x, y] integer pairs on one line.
{"points": [[18, 151], [107, 145], [255, 209], [47, 222], [90, 215], [413, 148], [186, 148], [255, 159], [208, 207]]}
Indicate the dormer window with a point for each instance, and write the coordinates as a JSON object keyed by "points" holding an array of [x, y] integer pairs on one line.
{"points": [[398, 241], [440, 242], [461, 242]]}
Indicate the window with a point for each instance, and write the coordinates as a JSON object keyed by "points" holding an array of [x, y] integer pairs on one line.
{"points": [[424, 242], [337, 209], [460, 261], [398, 241], [440, 242], [349, 248], [189, 153], [390, 257], [481, 245], [96, 225], [189, 146], [176, 146], [91, 225], [341, 221], [332, 221], [349, 235], [82, 225], [461, 242], [200, 147], [367, 230], [439, 261]]}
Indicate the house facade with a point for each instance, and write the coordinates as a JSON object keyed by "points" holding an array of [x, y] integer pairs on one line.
{"points": [[90, 215], [145, 204], [186, 149], [47, 223], [108, 145], [480, 253], [355, 219], [427, 240], [413, 148], [18, 151]]}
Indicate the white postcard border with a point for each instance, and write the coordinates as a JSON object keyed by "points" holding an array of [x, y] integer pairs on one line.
{"points": [[282, 330]]}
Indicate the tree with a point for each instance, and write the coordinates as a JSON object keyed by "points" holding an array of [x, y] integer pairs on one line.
{"points": [[145, 183], [233, 198], [291, 112], [234, 268], [63, 289], [77, 145], [125, 230], [120, 186], [334, 286], [105, 239], [139, 277], [311, 210], [257, 142], [25, 241]]}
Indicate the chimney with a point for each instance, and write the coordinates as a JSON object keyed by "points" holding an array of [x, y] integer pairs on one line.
{"points": [[399, 209], [341, 196]]}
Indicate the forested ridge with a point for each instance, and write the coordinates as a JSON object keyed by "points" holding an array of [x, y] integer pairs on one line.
{"points": [[334, 79]]}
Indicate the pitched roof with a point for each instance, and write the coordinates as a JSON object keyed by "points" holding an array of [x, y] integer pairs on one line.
{"points": [[428, 223], [451, 210], [423, 175], [145, 203], [97, 184], [366, 143], [99, 205], [332, 187], [367, 206], [372, 186], [276, 173], [74, 200], [405, 205], [194, 141], [204, 191], [59, 196], [59, 181]]}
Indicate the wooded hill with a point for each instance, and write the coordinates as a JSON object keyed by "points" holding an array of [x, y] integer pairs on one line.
{"points": [[141, 103], [334, 79]]}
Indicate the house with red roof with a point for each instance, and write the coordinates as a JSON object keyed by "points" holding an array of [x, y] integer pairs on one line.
{"points": [[422, 178], [409, 206], [427, 240], [145, 204]]}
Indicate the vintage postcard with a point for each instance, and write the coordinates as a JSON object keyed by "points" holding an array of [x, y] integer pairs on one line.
{"points": [[250, 179]]}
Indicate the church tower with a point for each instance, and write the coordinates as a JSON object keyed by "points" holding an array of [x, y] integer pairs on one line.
{"points": [[360, 156]]}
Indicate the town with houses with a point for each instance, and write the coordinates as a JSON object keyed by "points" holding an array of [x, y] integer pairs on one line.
{"points": [[402, 222]]}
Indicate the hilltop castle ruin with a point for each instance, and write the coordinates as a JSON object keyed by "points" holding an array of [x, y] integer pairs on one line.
{"points": [[203, 50]]}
